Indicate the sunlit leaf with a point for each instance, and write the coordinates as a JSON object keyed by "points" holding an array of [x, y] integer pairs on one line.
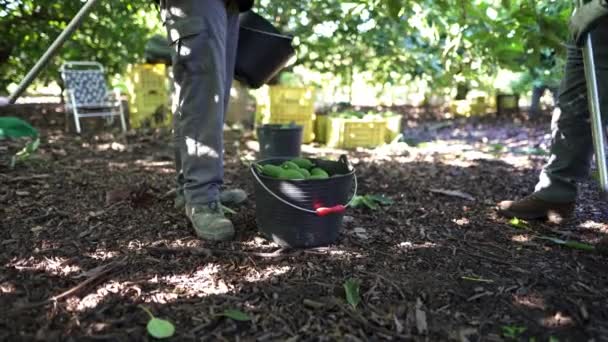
{"points": [[517, 223], [160, 328]]}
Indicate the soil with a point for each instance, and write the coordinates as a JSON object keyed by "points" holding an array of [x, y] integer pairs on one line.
{"points": [[89, 234]]}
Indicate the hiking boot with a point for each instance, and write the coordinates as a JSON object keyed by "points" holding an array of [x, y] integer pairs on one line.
{"points": [[230, 196], [533, 208], [209, 222], [233, 196]]}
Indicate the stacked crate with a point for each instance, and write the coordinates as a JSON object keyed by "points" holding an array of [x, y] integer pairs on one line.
{"points": [[393, 127], [149, 98], [353, 133], [285, 105]]}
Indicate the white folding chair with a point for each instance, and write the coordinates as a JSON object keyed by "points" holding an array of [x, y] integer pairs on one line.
{"points": [[87, 93]]}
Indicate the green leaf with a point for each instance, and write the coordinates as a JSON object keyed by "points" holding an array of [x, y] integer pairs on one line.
{"points": [[351, 287], [236, 315], [517, 223], [370, 203], [513, 331], [381, 199], [394, 8], [25, 152], [160, 328], [569, 243], [580, 245], [228, 210], [356, 202], [554, 240], [496, 148]]}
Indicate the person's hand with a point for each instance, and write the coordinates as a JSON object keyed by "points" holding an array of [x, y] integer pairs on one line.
{"points": [[585, 18]]}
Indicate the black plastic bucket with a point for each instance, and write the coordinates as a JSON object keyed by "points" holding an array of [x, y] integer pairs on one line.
{"points": [[279, 141], [303, 213], [262, 50]]}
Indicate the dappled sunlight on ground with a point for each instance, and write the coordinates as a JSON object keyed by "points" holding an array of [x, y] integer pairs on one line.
{"points": [[595, 226], [408, 246], [521, 238], [437, 262], [102, 254], [52, 265], [7, 287], [559, 320], [266, 273], [530, 300]]}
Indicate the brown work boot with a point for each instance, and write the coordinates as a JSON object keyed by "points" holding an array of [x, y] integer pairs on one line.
{"points": [[533, 208]]}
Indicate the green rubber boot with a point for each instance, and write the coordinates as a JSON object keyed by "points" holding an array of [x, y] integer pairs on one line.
{"points": [[209, 222], [230, 196]]}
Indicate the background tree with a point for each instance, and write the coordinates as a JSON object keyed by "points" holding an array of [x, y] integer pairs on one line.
{"points": [[114, 34], [441, 42]]}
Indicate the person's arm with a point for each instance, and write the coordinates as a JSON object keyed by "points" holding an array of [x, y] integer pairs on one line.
{"points": [[586, 17]]}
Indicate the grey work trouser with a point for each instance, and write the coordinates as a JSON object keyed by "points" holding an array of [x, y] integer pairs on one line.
{"points": [[203, 69], [572, 143]]}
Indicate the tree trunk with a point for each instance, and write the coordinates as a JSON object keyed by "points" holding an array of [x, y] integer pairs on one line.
{"points": [[462, 89]]}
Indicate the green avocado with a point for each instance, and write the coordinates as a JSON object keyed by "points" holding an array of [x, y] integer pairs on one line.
{"points": [[302, 163], [317, 171], [291, 174], [290, 165], [271, 170]]}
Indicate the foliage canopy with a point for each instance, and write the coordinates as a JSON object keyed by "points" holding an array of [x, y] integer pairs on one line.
{"points": [[440, 41]]}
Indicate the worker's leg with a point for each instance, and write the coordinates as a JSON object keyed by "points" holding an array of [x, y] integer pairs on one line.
{"points": [[200, 87], [200, 80], [231, 196], [234, 195], [572, 145]]}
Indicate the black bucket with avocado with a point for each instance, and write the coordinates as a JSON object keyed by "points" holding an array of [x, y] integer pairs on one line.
{"points": [[279, 141], [303, 213]]}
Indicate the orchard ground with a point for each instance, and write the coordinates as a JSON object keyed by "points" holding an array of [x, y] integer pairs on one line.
{"points": [[89, 233]]}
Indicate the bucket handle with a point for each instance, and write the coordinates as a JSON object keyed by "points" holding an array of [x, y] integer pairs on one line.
{"points": [[319, 211]]}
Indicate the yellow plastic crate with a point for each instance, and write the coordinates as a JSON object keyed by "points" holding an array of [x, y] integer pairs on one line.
{"points": [[393, 127], [283, 105], [147, 110], [352, 133], [468, 107], [321, 128], [148, 88], [148, 77]]}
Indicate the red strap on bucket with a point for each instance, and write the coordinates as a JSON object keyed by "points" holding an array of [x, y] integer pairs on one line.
{"points": [[324, 211]]}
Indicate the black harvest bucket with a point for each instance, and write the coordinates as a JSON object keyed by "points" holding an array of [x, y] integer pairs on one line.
{"points": [[303, 213], [262, 50], [279, 141]]}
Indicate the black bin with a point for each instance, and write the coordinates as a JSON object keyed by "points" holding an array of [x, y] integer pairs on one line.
{"points": [[279, 141], [262, 50], [276, 200]]}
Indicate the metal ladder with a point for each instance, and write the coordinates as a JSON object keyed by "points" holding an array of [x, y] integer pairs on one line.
{"points": [[597, 128]]}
